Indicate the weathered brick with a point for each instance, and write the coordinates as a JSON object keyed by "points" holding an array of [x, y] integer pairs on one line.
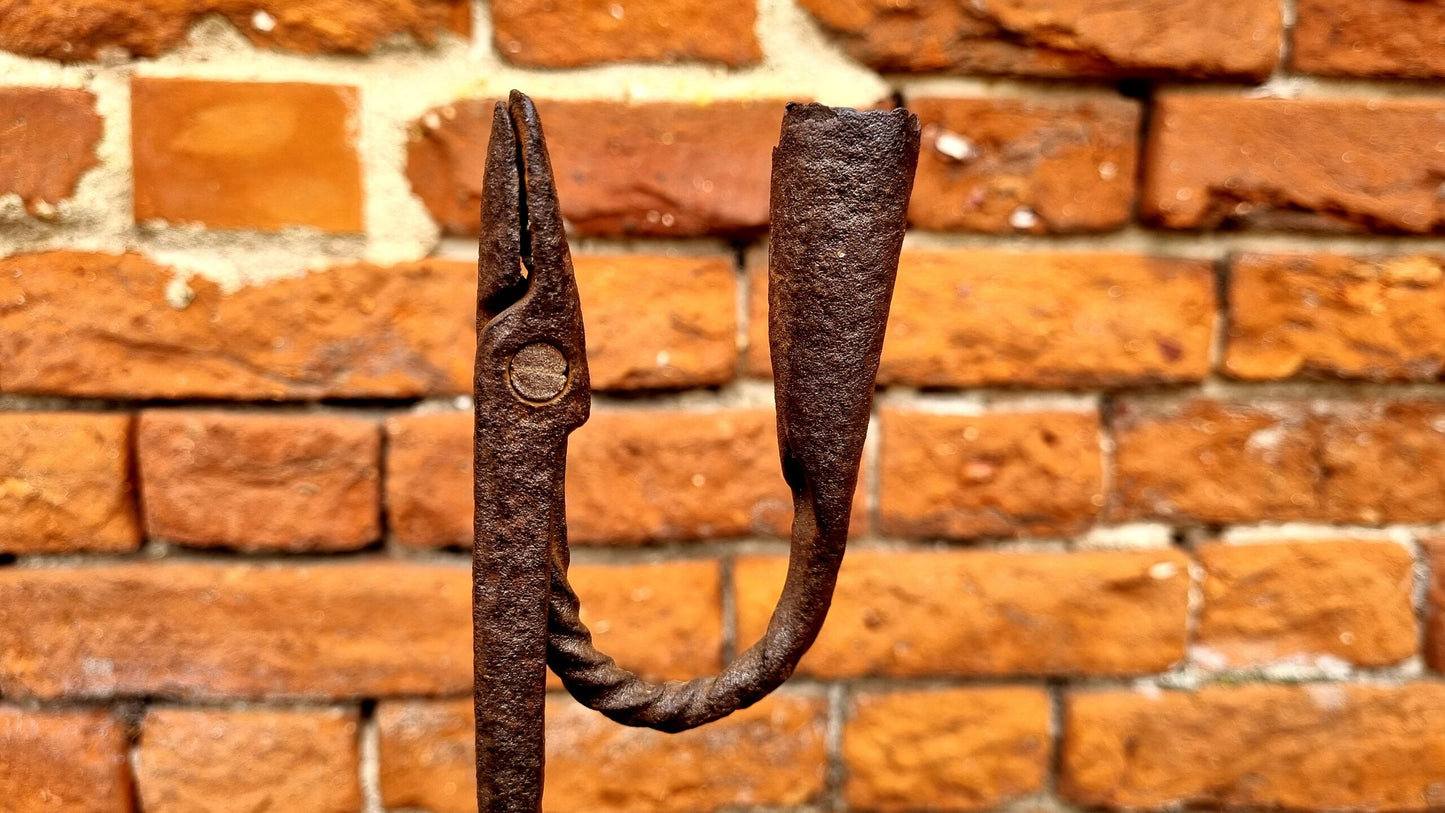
{"points": [[1305, 601], [574, 33], [1016, 165], [222, 761], [645, 169], [771, 755], [656, 322], [1336, 164], [65, 483], [1214, 462], [100, 325], [1370, 462], [632, 477], [1312, 747], [1003, 474], [986, 613], [47, 141], [1434, 549], [260, 482], [246, 155], [1059, 38], [1383, 462], [1329, 315], [949, 749], [81, 29], [63, 760], [1035, 319], [1385, 38], [371, 628]]}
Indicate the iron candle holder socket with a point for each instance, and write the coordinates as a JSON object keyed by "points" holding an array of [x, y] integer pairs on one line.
{"points": [[840, 187]]}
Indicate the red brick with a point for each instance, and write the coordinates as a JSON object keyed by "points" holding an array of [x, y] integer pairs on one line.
{"points": [[1383, 462], [202, 630], [1337, 164], [1329, 315], [1435, 613], [99, 325], [368, 628], [47, 141], [65, 483], [260, 482], [1059, 38], [985, 613], [63, 760], [249, 760], [1318, 746], [1016, 165], [1302, 601], [632, 477], [659, 169], [1369, 462], [1214, 462], [1004, 474], [949, 749], [246, 155], [1384, 38], [82, 29], [656, 322], [1036, 319], [574, 33], [771, 755]]}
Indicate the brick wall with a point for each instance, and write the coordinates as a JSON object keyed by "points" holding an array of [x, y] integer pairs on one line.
{"points": [[1153, 509]]}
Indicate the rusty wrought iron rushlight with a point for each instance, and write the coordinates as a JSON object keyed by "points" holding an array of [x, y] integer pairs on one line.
{"points": [[840, 187]]}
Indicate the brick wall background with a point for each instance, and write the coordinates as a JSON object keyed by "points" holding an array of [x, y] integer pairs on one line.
{"points": [[1153, 510]]}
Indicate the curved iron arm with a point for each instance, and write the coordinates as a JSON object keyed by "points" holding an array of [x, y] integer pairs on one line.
{"points": [[840, 188]]}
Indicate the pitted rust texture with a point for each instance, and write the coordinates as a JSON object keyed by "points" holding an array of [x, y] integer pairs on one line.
{"points": [[840, 188]]}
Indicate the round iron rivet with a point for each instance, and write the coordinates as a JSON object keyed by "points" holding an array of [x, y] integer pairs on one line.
{"points": [[538, 372]]}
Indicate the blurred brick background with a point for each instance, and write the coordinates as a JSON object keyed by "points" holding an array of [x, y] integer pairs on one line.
{"points": [[1154, 485]]}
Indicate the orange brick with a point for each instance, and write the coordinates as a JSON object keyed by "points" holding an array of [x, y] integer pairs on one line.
{"points": [[65, 483], [1058, 38], [1312, 747], [249, 760], [646, 169], [1366, 463], [1329, 315], [260, 482], [771, 755], [1005, 474], [950, 749], [1337, 164], [1387, 38], [1297, 601], [362, 629], [63, 760], [1014, 165], [985, 613], [573, 33], [47, 141], [82, 29], [98, 325], [368, 628], [1036, 319], [1435, 612], [632, 477], [1213, 462], [246, 155]]}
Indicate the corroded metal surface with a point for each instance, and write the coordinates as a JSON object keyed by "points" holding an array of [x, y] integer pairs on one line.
{"points": [[840, 188]]}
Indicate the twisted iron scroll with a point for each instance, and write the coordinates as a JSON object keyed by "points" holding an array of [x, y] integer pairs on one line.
{"points": [[840, 188]]}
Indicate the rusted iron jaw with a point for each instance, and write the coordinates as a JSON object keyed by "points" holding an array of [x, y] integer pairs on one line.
{"points": [[840, 188]]}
